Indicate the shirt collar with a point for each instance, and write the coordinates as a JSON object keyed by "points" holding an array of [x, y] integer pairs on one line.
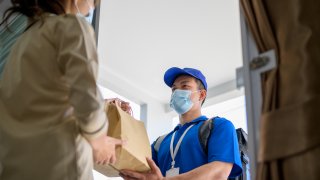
{"points": [[198, 119]]}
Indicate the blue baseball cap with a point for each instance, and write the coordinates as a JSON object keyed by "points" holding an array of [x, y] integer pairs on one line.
{"points": [[172, 73]]}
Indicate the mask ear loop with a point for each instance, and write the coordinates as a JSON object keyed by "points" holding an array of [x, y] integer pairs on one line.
{"points": [[199, 90]]}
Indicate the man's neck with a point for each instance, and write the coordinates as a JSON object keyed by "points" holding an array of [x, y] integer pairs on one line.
{"points": [[189, 116]]}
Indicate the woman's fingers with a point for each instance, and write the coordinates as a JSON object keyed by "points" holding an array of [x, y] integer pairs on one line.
{"points": [[125, 106], [118, 142], [104, 149], [113, 159]]}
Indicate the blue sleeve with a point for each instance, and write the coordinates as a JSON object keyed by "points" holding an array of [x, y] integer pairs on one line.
{"points": [[154, 154], [223, 145]]}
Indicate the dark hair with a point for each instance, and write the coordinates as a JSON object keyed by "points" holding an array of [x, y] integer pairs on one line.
{"points": [[200, 87], [33, 9]]}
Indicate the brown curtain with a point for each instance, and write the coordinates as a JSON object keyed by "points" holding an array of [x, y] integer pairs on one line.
{"points": [[290, 121]]}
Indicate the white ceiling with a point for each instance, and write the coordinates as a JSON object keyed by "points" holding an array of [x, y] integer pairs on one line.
{"points": [[140, 39]]}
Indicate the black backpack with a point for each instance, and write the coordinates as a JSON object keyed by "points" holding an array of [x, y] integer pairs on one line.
{"points": [[204, 133]]}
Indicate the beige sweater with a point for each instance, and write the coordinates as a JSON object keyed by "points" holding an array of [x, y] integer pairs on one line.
{"points": [[49, 102]]}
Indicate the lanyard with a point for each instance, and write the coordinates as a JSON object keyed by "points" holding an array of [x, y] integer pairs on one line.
{"points": [[174, 153]]}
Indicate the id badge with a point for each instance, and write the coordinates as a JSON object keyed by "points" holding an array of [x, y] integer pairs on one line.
{"points": [[172, 172]]}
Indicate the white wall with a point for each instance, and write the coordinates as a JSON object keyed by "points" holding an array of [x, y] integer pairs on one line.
{"points": [[158, 121], [232, 109]]}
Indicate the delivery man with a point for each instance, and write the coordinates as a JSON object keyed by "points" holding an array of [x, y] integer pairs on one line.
{"points": [[180, 155]]}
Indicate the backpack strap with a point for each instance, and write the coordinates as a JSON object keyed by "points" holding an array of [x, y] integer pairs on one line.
{"points": [[204, 133], [243, 148], [158, 142]]}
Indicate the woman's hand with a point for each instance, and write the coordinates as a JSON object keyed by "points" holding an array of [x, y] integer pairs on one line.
{"points": [[104, 149], [125, 106]]}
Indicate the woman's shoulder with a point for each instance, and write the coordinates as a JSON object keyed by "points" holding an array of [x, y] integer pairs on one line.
{"points": [[68, 24]]}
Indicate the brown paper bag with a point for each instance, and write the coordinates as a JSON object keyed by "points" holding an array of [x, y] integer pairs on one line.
{"points": [[133, 155]]}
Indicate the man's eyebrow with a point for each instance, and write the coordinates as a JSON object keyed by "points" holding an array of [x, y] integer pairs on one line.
{"points": [[183, 82]]}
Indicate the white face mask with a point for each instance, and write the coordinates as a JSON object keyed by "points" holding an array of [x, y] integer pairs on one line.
{"points": [[88, 17]]}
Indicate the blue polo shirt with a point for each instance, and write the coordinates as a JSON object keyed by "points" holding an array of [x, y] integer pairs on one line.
{"points": [[222, 146]]}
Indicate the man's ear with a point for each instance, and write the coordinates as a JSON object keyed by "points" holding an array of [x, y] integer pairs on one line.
{"points": [[203, 94]]}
